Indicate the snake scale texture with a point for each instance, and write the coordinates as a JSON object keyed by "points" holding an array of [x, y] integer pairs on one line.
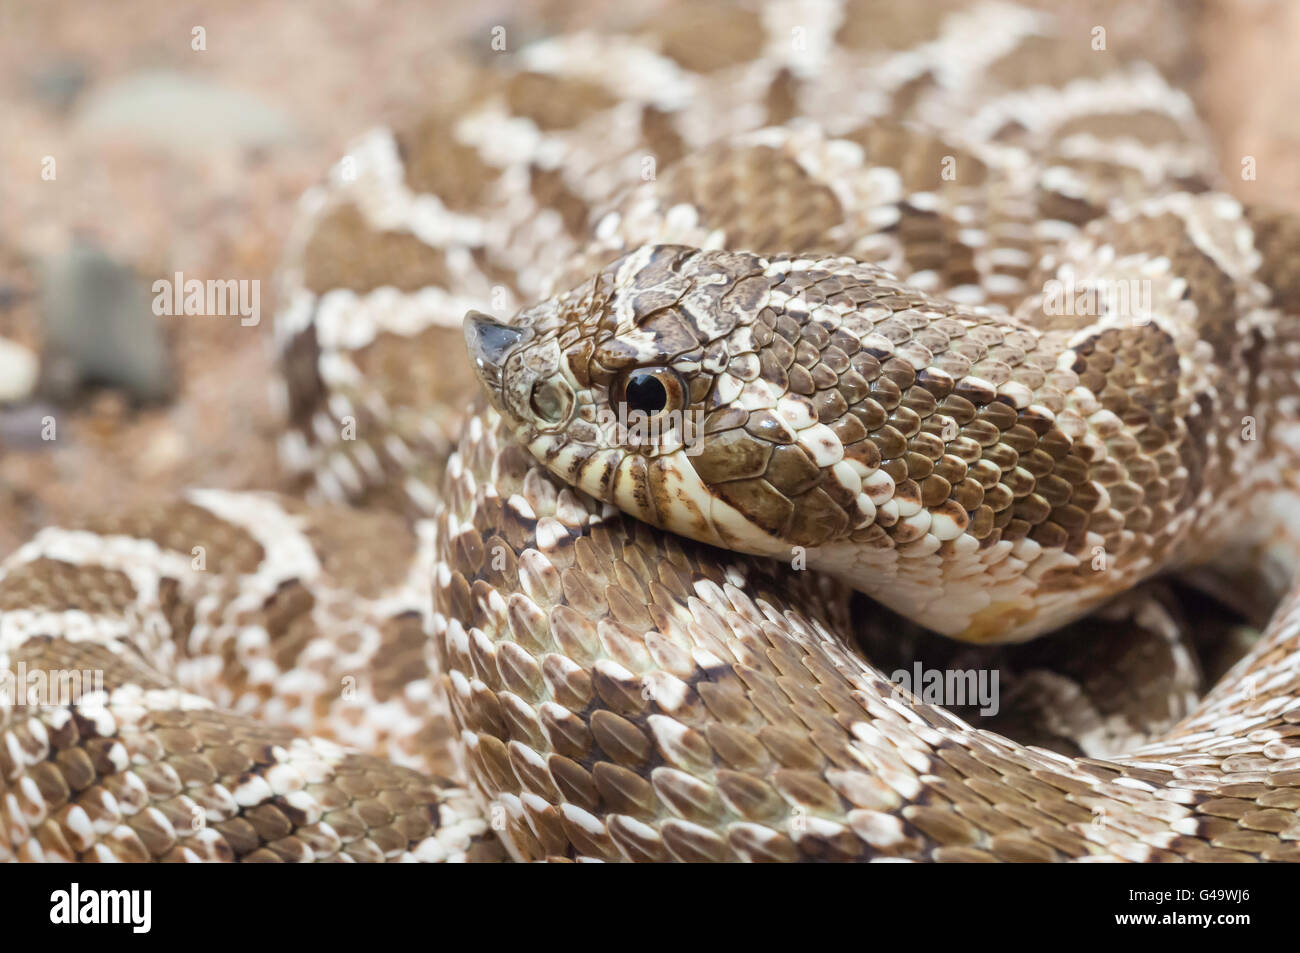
{"points": [[860, 261]]}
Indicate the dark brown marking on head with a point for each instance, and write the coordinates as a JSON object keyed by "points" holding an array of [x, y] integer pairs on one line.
{"points": [[731, 455], [760, 503], [817, 519]]}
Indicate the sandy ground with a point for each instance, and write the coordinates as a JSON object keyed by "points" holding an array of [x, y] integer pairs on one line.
{"points": [[221, 204]]}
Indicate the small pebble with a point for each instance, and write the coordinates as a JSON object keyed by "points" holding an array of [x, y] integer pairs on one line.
{"points": [[19, 368], [100, 328]]}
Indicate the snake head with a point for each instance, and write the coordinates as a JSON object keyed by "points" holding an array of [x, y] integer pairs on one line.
{"points": [[667, 386]]}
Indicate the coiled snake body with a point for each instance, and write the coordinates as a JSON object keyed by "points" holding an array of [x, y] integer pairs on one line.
{"points": [[859, 276]]}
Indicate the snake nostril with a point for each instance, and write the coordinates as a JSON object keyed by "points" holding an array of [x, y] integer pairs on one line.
{"points": [[551, 400]]}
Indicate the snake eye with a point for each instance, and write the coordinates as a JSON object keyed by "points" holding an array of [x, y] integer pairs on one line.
{"points": [[651, 391]]}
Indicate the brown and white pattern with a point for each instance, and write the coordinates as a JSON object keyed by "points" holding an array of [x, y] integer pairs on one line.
{"points": [[990, 476], [832, 226]]}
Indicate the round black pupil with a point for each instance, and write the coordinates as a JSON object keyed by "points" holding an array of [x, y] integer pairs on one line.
{"points": [[646, 393]]}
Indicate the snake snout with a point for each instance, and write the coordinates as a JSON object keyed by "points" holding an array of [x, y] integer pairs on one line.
{"points": [[489, 343]]}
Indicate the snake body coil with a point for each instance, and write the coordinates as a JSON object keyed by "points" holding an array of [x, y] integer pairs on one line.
{"points": [[971, 328]]}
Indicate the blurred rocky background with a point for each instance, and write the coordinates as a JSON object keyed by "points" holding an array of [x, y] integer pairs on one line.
{"points": [[139, 138]]}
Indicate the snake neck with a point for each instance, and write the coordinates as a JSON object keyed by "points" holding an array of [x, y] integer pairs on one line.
{"points": [[1166, 394]]}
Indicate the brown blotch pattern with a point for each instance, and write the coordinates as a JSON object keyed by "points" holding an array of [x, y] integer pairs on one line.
{"points": [[1277, 238], [180, 526], [288, 624], [550, 191], [429, 388], [345, 252], [1051, 61], [1208, 285], [782, 99], [699, 736], [932, 241], [921, 157], [555, 102], [884, 25], [710, 36], [1146, 126], [173, 799], [400, 659], [660, 134], [1134, 373], [55, 585], [438, 164], [345, 541], [299, 364], [885, 414], [764, 200]]}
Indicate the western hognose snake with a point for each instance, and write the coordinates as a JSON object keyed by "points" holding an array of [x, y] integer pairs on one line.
{"points": [[857, 273]]}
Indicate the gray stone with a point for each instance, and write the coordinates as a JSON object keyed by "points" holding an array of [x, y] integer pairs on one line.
{"points": [[60, 83], [183, 114], [23, 427], [100, 329]]}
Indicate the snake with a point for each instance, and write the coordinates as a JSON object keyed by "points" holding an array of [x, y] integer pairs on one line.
{"points": [[646, 401]]}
